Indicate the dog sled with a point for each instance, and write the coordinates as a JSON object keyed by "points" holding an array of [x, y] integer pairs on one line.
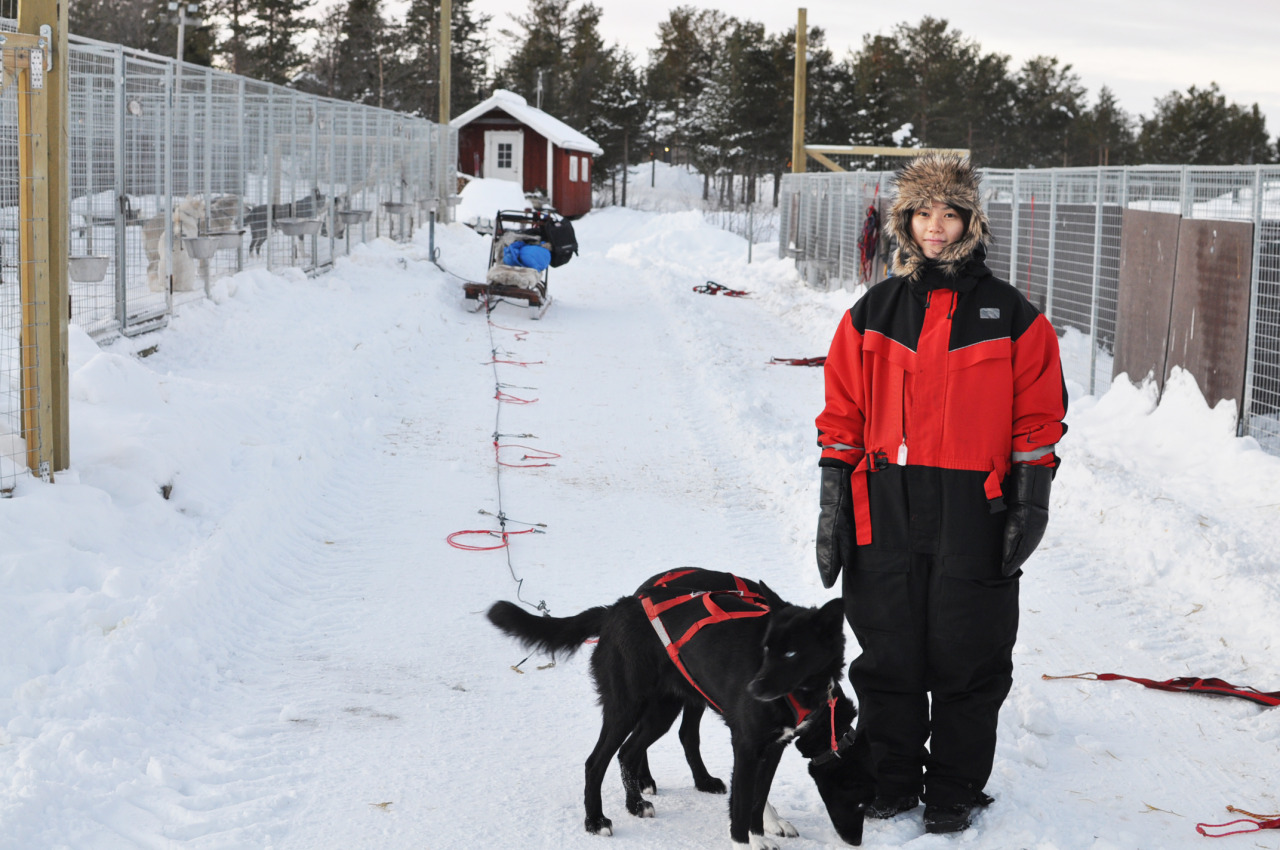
{"points": [[526, 245]]}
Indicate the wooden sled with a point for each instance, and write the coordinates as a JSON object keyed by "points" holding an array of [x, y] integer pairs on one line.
{"points": [[503, 282]]}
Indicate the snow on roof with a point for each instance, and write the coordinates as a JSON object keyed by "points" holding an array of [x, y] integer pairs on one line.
{"points": [[560, 133]]}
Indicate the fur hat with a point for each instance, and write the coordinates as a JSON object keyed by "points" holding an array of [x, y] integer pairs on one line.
{"points": [[952, 180]]}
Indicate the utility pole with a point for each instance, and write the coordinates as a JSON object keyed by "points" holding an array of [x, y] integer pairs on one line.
{"points": [[181, 19], [446, 59], [797, 120]]}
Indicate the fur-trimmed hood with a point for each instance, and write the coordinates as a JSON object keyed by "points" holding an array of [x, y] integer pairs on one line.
{"points": [[950, 179]]}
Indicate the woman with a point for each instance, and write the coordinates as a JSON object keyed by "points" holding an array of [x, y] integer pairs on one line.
{"points": [[944, 404]]}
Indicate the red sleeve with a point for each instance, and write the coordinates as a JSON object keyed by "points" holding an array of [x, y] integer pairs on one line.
{"points": [[1039, 395], [840, 425]]}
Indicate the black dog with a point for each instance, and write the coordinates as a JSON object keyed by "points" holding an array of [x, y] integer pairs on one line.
{"points": [[769, 668], [310, 206]]}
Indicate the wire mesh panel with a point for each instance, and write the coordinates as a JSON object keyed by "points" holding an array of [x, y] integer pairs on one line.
{"points": [[147, 183], [94, 207], [23, 262], [1262, 392]]}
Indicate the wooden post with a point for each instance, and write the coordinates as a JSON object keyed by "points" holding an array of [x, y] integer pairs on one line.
{"points": [[446, 57], [797, 120], [26, 60], [33, 14]]}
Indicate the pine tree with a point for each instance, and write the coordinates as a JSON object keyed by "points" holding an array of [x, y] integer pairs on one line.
{"points": [[274, 55], [416, 83], [537, 67], [1048, 103], [364, 54], [1201, 128]]}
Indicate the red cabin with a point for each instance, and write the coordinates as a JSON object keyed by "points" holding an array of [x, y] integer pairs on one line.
{"points": [[507, 139]]}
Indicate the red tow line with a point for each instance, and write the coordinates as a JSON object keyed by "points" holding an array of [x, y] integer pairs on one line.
{"points": [[1188, 685], [1257, 823], [713, 288]]}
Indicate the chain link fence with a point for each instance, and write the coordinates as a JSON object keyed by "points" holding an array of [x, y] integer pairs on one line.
{"points": [[180, 174], [1056, 235]]}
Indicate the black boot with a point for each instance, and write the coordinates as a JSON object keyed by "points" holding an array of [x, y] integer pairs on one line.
{"points": [[887, 807], [956, 817]]}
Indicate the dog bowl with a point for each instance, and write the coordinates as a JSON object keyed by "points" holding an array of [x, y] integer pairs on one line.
{"points": [[87, 269], [201, 247], [397, 207], [299, 226], [354, 216], [227, 238]]}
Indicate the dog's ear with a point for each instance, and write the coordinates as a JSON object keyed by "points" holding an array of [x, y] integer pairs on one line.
{"points": [[831, 615]]}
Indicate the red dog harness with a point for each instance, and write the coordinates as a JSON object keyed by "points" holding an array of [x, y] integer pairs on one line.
{"points": [[720, 605]]}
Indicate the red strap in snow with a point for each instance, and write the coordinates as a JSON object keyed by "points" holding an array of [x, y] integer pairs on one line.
{"points": [[713, 288], [798, 361], [1190, 685], [1257, 823]]}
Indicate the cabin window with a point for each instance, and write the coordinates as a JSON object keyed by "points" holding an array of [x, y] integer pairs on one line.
{"points": [[585, 178], [573, 169], [504, 154]]}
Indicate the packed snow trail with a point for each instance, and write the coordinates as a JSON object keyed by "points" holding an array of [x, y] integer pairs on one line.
{"points": [[287, 654]]}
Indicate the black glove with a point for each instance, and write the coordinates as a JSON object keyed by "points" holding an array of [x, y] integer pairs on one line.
{"points": [[1028, 513], [837, 539]]}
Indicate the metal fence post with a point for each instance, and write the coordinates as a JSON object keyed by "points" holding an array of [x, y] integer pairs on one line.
{"points": [[1013, 233], [1251, 338], [121, 254], [1097, 286], [1053, 245]]}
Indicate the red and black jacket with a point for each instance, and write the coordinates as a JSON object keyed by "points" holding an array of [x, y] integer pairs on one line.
{"points": [[934, 387]]}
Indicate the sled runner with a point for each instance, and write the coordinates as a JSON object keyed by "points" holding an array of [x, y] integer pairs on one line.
{"points": [[526, 243]]}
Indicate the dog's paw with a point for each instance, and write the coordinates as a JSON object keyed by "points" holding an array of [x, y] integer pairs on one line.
{"points": [[710, 785], [774, 825], [641, 808], [599, 826], [762, 842]]}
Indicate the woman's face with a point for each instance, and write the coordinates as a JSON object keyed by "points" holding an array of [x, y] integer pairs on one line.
{"points": [[935, 227]]}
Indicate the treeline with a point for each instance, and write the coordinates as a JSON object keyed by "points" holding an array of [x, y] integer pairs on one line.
{"points": [[717, 90]]}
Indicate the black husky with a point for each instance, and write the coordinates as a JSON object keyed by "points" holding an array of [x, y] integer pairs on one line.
{"points": [[692, 638]]}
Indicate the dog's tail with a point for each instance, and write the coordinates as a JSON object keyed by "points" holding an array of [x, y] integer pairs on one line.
{"points": [[548, 634]]}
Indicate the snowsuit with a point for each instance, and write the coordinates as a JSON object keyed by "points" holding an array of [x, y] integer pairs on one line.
{"points": [[938, 380]]}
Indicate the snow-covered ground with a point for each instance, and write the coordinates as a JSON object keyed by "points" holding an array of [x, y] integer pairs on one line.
{"points": [[235, 622]]}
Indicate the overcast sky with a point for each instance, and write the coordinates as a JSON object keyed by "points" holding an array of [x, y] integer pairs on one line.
{"points": [[1141, 49]]}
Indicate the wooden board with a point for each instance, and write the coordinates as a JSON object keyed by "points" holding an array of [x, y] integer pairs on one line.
{"points": [[503, 290], [1210, 316], [1148, 256]]}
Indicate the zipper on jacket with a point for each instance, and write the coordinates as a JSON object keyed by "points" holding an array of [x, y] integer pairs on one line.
{"points": [[902, 449]]}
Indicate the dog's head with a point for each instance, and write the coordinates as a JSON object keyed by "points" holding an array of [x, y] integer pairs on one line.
{"points": [[803, 650]]}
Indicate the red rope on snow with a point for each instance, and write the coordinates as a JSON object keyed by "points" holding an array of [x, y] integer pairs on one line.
{"points": [[713, 288], [1257, 823], [539, 454], [503, 535], [797, 361], [1189, 685]]}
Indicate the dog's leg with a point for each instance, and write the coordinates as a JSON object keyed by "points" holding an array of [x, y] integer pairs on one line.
{"points": [[752, 763], [761, 822], [633, 759], [691, 740], [613, 731]]}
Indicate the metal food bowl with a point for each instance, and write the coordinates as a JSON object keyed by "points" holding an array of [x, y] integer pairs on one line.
{"points": [[227, 238], [201, 247], [354, 216], [397, 207], [87, 269], [299, 226]]}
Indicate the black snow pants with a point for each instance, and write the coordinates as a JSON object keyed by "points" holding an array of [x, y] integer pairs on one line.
{"points": [[936, 665]]}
